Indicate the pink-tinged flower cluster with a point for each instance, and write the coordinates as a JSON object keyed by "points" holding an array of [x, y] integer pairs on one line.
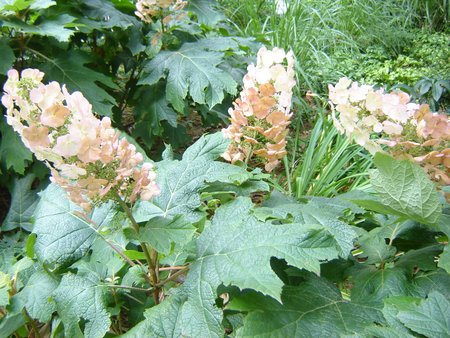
{"points": [[167, 10], [261, 114], [86, 156], [374, 118]]}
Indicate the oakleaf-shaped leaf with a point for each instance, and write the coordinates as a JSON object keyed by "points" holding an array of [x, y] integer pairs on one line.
{"points": [[372, 286], [404, 187], [54, 27], [430, 318], [150, 110], [191, 69], [13, 152], [206, 11], [7, 56], [70, 70], [82, 297], [23, 203], [180, 182], [105, 14], [62, 235], [324, 212], [314, 308], [36, 296], [235, 250]]}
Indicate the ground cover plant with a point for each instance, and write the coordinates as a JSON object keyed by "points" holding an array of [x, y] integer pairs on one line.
{"points": [[299, 210]]}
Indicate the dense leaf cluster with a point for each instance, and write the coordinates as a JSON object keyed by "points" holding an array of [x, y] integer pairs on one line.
{"points": [[355, 264]]}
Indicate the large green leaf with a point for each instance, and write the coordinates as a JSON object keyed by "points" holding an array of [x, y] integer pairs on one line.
{"points": [[430, 318], [314, 308], [374, 248], [192, 69], [404, 186], [151, 108], [62, 235], [23, 203], [162, 232], [444, 260], [82, 297], [235, 250], [12, 151], [20, 5], [105, 14], [372, 286], [70, 70], [181, 181], [36, 296], [7, 56], [206, 11], [54, 27], [324, 212]]}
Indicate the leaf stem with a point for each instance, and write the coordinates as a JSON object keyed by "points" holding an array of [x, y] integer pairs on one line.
{"points": [[152, 258], [174, 276], [37, 334], [127, 287]]}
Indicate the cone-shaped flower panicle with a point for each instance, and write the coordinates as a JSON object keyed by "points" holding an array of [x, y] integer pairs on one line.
{"points": [[86, 156], [167, 10], [261, 114], [373, 118]]}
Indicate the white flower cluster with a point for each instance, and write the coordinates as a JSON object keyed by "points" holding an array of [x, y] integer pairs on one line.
{"points": [[85, 154], [261, 114], [373, 118]]}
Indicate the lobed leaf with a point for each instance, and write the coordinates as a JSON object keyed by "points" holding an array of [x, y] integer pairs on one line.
{"points": [[234, 250], [192, 69], [404, 187], [314, 308], [82, 297]]}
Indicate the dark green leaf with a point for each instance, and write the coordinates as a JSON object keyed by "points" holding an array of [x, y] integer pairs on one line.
{"points": [[152, 108], [23, 203], [206, 11], [374, 249], [436, 91], [106, 15], [70, 70], [315, 308], [423, 259], [430, 318], [226, 249], [12, 151], [54, 27], [7, 56], [372, 286], [190, 69]]}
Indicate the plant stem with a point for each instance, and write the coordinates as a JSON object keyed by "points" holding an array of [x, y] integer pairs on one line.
{"points": [[114, 286], [32, 323], [152, 258], [174, 276], [288, 176]]}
